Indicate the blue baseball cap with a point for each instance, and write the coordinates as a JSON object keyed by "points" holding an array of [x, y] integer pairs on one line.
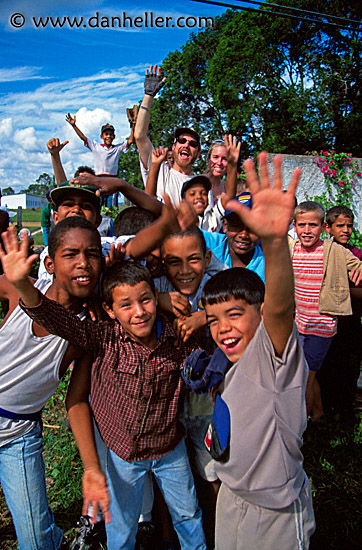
{"points": [[243, 198]]}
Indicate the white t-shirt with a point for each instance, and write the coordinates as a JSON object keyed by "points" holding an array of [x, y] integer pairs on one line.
{"points": [[106, 160], [212, 218]]}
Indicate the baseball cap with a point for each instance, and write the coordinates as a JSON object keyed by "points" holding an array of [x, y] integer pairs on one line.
{"points": [[107, 127], [201, 180], [243, 198], [58, 194], [188, 132]]}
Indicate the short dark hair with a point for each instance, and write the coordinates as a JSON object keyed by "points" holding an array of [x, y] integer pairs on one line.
{"points": [[86, 169], [60, 229], [192, 231], [131, 220], [238, 283], [309, 206], [338, 210], [124, 273]]}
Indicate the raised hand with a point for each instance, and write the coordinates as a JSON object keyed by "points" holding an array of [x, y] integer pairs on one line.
{"points": [[232, 149], [159, 154], [272, 207], [153, 81], [70, 119], [16, 263], [54, 146]]}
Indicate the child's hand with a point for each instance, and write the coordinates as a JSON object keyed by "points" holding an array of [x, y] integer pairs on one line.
{"points": [[174, 302], [54, 146], [272, 207], [232, 149], [70, 119], [95, 493], [186, 326], [153, 81], [186, 216], [159, 155], [355, 276], [116, 254], [16, 263]]}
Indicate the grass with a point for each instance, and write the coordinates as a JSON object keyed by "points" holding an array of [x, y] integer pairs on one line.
{"points": [[333, 458]]}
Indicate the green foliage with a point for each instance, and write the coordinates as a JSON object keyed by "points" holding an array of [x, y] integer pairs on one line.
{"points": [[7, 191], [43, 183]]}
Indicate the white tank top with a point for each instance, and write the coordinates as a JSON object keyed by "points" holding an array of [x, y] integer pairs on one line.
{"points": [[29, 370]]}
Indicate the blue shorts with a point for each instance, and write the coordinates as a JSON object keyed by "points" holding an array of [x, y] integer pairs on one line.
{"points": [[315, 349]]}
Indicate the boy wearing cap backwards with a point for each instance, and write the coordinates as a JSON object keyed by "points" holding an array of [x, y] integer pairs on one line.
{"points": [[265, 499], [197, 190]]}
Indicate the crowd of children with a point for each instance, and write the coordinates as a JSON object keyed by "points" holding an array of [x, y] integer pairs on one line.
{"points": [[192, 265]]}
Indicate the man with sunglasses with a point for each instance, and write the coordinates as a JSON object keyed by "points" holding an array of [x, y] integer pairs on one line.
{"points": [[186, 147]]}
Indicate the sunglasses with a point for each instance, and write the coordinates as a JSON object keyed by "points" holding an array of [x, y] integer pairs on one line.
{"points": [[191, 142]]}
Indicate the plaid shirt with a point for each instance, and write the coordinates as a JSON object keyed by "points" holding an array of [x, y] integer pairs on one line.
{"points": [[134, 391]]}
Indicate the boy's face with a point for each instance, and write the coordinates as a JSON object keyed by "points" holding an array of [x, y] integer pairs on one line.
{"points": [[154, 263], [341, 229], [107, 136], [185, 263], [232, 325], [76, 203], [135, 308], [77, 263], [309, 228], [197, 197], [240, 239]]}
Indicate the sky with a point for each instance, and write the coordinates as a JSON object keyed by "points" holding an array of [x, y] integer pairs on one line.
{"points": [[94, 72]]}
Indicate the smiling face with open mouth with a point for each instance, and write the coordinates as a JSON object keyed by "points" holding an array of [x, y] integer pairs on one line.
{"points": [[185, 154], [77, 263], [232, 324], [240, 240], [198, 197], [185, 262]]}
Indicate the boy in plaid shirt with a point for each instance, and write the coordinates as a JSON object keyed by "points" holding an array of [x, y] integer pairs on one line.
{"points": [[135, 388]]}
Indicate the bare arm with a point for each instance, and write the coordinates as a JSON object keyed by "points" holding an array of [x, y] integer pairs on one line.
{"points": [[95, 490], [54, 148], [233, 152], [158, 156], [71, 121], [269, 218], [108, 186], [153, 83]]}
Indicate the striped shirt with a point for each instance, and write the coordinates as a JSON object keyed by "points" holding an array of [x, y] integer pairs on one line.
{"points": [[135, 391], [308, 277]]}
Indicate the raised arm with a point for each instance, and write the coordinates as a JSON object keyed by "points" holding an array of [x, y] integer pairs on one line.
{"points": [[233, 152], [54, 148], [132, 118], [158, 156], [110, 185], [71, 121], [153, 84], [269, 218], [95, 492]]}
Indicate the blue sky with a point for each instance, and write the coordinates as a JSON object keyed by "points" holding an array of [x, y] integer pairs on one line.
{"points": [[92, 72]]}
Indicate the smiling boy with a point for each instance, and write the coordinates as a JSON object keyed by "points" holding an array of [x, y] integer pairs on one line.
{"points": [[135, 391], [265, 499], [33, 364]]}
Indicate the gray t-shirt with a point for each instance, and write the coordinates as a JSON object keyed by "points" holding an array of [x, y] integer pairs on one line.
{"points": [[265, 395]]}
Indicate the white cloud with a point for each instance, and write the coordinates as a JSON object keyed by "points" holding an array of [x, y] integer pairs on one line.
{"points": [[29, 119], [20, 73]]}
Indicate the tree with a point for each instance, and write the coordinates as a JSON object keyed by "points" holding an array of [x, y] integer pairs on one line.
{"points": [[287, 85], [43, 183], [8, 191]]}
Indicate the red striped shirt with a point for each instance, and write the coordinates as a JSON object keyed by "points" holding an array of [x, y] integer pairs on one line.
{"points": [[308, 277]]}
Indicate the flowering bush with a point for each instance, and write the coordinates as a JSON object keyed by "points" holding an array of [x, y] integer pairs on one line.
{"points": [[340, 172]]}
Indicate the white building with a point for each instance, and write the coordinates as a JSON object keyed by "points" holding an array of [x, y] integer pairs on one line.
{"points": [[25, 200]]}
